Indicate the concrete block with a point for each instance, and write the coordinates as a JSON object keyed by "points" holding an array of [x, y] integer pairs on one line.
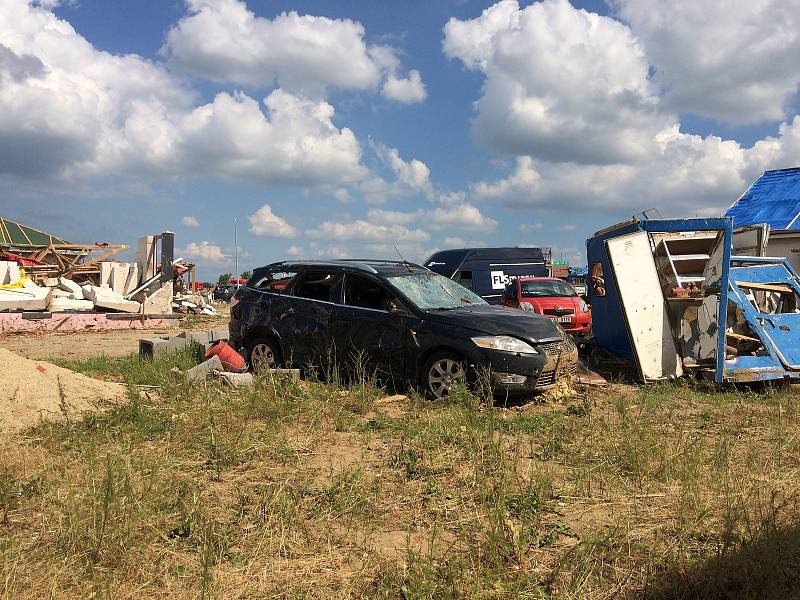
{"points": [[160, 302], [60, 304], [237, 379], [206, 337], [204, 369], [3, 271], [58, 293], [105, 272], [149, 347], [71, 287], [36, 298], [93, 292], [119, 277], [51, 282], [120, 305]]}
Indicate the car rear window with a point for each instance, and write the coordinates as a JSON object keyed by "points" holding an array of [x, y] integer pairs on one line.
{"points": [[315, 285], [274, 281]]}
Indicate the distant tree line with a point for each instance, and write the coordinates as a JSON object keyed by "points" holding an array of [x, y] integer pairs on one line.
{"points": [[224, 278]]}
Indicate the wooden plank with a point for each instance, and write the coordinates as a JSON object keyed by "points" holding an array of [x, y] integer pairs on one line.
{"points": [[766, 287], [739, 336]]}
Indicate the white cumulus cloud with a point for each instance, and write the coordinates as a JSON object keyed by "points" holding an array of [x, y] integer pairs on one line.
{"points": [[70, 110], [733, 61], [361, 230], [190, 221], [223, 41], [394, 217], [561, 83], [205, 251], [569, 93], [459, 216], [407, 90], [266, 223]]}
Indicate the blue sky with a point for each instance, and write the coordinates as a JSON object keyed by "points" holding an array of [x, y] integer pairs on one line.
{"points": [[352, 127]]}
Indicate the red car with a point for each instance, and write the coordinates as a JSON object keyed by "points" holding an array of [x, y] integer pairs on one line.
{"points": [[551, 297]]}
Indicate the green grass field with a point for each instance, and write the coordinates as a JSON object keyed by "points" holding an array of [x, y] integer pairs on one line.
{"points": [[318, 490]]}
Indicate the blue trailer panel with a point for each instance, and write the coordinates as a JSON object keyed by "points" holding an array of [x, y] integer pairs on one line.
{"points": [[739, 318]]}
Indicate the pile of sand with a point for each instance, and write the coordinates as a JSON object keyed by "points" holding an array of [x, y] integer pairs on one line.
{"points": [[31, 391]]}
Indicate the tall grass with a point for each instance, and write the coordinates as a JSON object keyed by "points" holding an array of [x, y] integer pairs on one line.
{"points": [[328, 489]]}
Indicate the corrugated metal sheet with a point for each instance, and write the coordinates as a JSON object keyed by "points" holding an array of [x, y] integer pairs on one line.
{"points": [[773, 198], [16, 234]]}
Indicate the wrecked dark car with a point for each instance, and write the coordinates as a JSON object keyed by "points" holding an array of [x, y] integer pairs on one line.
{"points": [[398, 320], [224, 293]]}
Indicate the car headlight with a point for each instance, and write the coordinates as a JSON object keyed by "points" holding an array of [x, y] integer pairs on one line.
{"points": [[527, 306], [505, 343], [584, 307]]}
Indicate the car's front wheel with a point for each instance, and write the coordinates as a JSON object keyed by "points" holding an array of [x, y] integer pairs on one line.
{"points": [[263, 353], [443, 372]]}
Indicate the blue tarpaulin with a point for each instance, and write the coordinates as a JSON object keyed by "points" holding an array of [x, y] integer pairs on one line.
{"points": [[774, 198]]}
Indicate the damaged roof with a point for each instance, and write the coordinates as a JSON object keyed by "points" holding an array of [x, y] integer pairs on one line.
{"points": [[17, 234], [774, 198]]}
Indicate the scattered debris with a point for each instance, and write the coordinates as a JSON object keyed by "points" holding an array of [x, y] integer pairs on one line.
{"points": [[237, 379], [585, 376], [673, 300], [195, 305], [47, 256], [204, 369], [150, 346]]}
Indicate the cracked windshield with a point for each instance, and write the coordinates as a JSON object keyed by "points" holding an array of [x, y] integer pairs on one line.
{"points": [[431, 291]]}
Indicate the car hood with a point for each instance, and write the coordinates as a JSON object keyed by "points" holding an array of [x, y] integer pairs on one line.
{"points": [[497, 320]]}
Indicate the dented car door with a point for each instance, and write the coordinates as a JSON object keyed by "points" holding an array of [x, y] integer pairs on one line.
{"points": [[303, 323], [370, 340]]}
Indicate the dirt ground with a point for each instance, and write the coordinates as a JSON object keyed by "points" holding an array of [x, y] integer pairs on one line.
{"points": [[108, 343]]}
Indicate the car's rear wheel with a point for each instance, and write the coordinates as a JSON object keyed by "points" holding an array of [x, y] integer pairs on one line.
{"points": [[443, 372], [263, 353]]}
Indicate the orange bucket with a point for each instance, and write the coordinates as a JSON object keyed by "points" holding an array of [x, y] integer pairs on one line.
{"points": [[231, 360]]}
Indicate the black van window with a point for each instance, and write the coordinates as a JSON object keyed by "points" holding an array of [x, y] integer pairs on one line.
{"points": [[314, 285], [365, 293], [464, 278]]}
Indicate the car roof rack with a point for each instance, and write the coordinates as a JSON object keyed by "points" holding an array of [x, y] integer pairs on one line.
{"points": [[361, 264], [368, 261]]}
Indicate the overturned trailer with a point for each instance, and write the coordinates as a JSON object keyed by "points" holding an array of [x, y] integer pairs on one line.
{"points": [[669, 295]]}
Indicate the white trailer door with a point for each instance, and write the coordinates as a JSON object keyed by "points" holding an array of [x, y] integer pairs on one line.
{"points": [[644, 306]]}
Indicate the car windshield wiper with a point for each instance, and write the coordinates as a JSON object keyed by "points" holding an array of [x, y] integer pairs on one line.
{"points": [[445, 289]]}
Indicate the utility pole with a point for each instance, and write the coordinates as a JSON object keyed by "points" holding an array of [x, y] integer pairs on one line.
{"points": [[236, 250]]}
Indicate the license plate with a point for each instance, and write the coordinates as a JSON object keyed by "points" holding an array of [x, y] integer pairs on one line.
{"points": [[561, 319]]}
